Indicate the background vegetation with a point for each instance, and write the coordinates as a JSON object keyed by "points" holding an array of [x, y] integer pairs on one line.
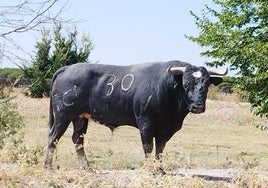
{"points": [[55, 51], [10, 120], [236, 32]]}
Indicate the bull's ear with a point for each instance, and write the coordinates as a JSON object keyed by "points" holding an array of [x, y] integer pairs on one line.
{"points": [[215, 80]]}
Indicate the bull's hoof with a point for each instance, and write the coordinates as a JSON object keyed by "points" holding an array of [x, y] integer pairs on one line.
{"points": [[154, 167], [47, 167], [159, 171], [91, 170]]}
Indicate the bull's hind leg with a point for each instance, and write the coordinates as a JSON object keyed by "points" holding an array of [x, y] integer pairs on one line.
{"points": [[56, 131], [80, 129]]}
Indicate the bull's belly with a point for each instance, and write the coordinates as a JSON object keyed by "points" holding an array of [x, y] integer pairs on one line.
{"points": [[111, 111], [110, 119]]}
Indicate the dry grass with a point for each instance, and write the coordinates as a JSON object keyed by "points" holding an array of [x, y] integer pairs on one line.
{"points": [[220, 148]]}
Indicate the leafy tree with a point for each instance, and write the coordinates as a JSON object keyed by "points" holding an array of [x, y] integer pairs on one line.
{"points": [[66, 51], [236, 32], [39, 69]]}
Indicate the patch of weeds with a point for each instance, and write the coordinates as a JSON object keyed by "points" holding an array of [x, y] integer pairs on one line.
{"points": [[227, 163], [10, 121], [110, 152], [14, 149], [33, 156], [250, 178], [246, 160], [54, 184], [176, 161]]}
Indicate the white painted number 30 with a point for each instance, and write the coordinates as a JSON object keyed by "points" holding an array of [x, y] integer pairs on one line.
{"points": [[126, 82]]}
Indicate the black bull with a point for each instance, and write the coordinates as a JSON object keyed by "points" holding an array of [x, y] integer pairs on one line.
{"points": [[154, 97]]}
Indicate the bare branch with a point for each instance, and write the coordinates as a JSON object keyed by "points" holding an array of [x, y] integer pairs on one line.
{"points": [[27, 15], [22, 16]]}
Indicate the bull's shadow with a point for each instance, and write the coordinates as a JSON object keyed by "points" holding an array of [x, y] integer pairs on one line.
{"points": [[206, 177], [214, 178]]}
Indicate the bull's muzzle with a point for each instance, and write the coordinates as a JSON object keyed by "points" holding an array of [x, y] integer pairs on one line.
{"points": [[197, 108]]}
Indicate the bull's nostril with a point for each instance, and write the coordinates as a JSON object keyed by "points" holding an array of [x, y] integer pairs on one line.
{"points": [[197, 108]]}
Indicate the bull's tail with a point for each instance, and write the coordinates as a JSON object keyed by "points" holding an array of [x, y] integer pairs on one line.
{"points": [[51, 113]]}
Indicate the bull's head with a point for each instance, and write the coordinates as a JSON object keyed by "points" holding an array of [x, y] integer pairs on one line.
{"points": [[195, 82]]}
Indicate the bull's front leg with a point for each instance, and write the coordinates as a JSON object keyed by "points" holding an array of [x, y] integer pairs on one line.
{"points": [[160, 144], [147, 139], [147, 131]]}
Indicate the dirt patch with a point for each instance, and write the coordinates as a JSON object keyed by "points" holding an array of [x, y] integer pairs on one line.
{"points": [[137, 176]]}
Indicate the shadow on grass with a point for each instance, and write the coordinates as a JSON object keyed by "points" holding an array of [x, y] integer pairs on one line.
{"points": [[214, 178]]}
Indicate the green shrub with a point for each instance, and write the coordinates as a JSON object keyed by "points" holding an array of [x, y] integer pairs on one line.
{"points": [[52, 52], [10, 120]]}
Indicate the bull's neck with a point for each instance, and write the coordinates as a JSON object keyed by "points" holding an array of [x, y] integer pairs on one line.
{"points": [[181, 99]]}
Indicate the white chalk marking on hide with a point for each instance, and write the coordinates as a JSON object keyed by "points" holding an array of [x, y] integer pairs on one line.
{"points": [[124, 88], [148, 101], [111, 84], [197, 74], [65, 93], [175, 85]]}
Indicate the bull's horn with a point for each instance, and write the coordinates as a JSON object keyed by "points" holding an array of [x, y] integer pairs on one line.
{"points": [[176, 70], [212, 71]]}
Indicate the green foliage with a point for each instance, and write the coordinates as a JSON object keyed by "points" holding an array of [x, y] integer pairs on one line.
{"points": [[40, 71], [237, 33], [10, 121], [11, 72], [227, 84], [66, 50], [261, 127], [8, 76]]}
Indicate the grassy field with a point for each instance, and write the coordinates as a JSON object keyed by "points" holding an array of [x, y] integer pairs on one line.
{"points": [[219, 148]]}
